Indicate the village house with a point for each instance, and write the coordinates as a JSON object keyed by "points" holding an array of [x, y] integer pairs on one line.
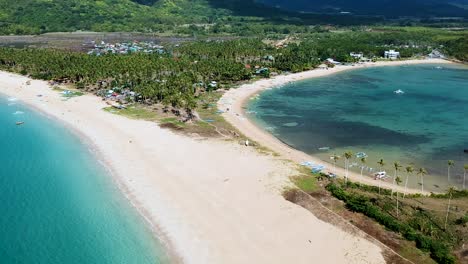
{"points": [[356, 55], [435, 54], [392, 54], [332, 61], [364, 59]]}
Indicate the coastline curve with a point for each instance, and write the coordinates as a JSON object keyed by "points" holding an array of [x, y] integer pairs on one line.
{"points": [[236, 99]]}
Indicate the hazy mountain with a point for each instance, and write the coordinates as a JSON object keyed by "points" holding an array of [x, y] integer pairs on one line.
{"points": [[388, 8]]}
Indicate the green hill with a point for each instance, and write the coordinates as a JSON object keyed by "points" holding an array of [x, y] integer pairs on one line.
{"points": [[36, 16], [39, 16]]}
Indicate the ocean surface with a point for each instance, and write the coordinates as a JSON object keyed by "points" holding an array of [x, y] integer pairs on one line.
{"points": [[358, 110], [58, 204]]}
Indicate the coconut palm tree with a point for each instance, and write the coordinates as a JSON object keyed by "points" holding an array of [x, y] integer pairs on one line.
{"points": [[465, 169], [363, 161], [347, 155], [398, 181], [450, 164], [450, 192], [335, 158], [409, 171], [397, 166], [381, 164], [422, 172]]}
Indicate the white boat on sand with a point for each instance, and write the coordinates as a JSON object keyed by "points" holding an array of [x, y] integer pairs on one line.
{"points": [[380, 175]]}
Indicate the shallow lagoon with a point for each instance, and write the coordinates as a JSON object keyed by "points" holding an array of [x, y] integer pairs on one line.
{"points": [[358, 110]]}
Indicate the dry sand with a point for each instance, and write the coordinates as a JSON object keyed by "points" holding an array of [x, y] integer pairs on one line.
{"points": [[214, 201], [235, 100]]}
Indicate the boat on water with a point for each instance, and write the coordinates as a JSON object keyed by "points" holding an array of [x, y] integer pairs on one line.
{"points": [[399, 91], [19, 123]]}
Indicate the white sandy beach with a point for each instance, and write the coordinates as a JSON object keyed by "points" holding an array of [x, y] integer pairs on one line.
{"points": [[214, 201], [235, 100]]}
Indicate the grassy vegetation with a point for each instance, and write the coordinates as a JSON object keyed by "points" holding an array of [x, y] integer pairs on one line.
{"points": [[173, 123], [169, 120], [307, 183], [71, 93], [141, 112], [134, 112]]}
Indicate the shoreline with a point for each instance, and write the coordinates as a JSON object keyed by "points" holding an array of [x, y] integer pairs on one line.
{"points": [[237, 99], [101, 160], [207, 201]]}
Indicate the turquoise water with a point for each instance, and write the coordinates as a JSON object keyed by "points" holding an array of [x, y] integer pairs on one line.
{"points": [[357, 110], [58, 205]]}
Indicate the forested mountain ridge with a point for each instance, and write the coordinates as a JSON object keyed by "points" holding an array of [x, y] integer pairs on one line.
{"points": [[35, 16], [236, 16], [186, 17], [388, 8]]}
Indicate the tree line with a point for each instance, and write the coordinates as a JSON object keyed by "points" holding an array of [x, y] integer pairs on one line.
{"points": [[179, 75]]}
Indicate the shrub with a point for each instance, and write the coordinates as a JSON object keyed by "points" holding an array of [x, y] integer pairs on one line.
{"points": [[359, 203], [462, 220]]}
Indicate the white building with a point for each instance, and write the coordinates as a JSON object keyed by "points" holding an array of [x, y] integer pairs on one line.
{"points": [[332, 61], [435, 54], [356, 55], [392, 54]]}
